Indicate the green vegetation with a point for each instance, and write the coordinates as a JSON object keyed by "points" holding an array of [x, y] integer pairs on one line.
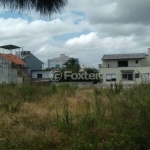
{"points": [[72, 65], [91, 70], [68, 118]]}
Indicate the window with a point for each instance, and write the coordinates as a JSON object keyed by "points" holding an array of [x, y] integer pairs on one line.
{"points": [[57, 65], [122, 63], [127, 76], [146, 77], [137, 75], [110, 77], [39, 75], [136, 61]]}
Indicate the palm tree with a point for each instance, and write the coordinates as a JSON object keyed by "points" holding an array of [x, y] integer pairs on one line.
{"points": [[44, 7]]}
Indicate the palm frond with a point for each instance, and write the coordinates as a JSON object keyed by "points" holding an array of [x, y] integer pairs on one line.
{"points": [[44, 7]]}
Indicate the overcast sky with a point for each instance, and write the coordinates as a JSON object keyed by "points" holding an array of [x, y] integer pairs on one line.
{"points": [[86, 30]]}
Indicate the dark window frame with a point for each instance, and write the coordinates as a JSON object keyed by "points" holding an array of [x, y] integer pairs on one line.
{"points": [[128, 76], [122, 63], [39, 75], [136, 61]]}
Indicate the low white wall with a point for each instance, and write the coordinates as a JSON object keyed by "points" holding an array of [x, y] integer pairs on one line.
{"points": [[78, 84], [19, 80], [9, 76]]}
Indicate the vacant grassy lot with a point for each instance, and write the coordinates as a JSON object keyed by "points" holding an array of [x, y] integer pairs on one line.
{"points": [[68, 118]]}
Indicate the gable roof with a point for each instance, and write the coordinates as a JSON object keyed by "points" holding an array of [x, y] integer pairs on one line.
{"points": [[124, 56], [13, 59], [32, 56], [36, 58]]}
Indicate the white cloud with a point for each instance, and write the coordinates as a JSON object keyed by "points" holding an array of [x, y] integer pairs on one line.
{"points": [[83, 40], [113, 26], [22, 28]]}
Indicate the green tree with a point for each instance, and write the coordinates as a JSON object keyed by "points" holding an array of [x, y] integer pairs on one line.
{"points": [[72, 65], [44, 7], [91, 70]]}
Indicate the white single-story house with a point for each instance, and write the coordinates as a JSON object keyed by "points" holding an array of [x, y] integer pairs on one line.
{"points": [[40, 75], [128, 69]]}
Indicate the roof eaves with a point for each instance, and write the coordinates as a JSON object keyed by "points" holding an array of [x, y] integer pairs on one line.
{"points": [[124, 56], [12, 58]]}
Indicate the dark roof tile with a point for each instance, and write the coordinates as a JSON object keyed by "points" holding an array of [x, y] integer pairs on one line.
{"points": [[124, 56]]}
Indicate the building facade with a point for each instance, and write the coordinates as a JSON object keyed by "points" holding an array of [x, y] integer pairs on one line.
{"points": [[58, 62], [129, 69], [32, 62], [40, 74], [11, 68]]}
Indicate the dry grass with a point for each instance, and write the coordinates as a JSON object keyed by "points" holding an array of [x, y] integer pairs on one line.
{"points": [[65, 117]]}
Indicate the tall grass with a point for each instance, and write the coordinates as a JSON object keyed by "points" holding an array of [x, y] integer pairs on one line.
{"points": [[65, 117]]}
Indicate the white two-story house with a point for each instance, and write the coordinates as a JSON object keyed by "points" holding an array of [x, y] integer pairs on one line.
{"points": [[128, 69]]}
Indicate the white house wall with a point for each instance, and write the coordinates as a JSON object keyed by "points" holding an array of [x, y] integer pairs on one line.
{"points": [[114, 63], [45, 74], [110, 63], [117, 71], [7, 74], [146, 62], [5, 71], [111, 67], [132, 63]]}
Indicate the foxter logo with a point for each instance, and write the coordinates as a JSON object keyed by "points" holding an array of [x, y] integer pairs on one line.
{"points": [[55, 75]]}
